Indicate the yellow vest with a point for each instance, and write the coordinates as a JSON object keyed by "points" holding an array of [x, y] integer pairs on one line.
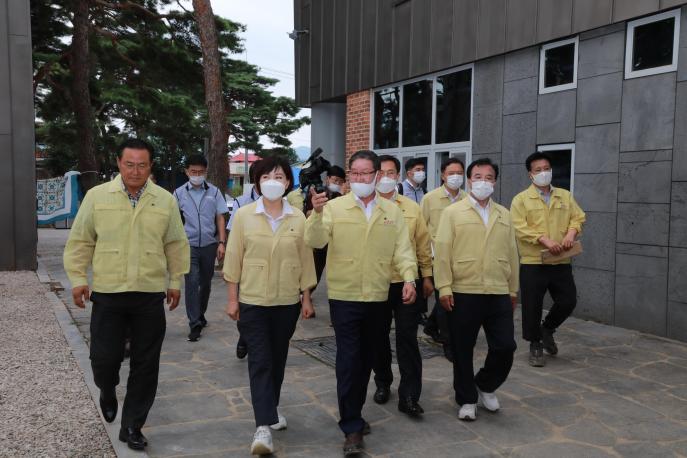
{"points": [[472, 258], [361, 255], [532, 218], [271, 268], [433, 203], [419, 236], [131, 249]]}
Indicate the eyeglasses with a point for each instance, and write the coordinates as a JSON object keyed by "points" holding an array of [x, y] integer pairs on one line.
{"points": [[141, 166], [359, 175]]}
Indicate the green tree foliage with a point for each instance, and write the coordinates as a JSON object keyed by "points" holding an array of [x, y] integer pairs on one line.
{"points": [[147, 80]]}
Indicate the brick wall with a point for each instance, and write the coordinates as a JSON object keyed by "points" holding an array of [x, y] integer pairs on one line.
{"points": [[357, 123]]}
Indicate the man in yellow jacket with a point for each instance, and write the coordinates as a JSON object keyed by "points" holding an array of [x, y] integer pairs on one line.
{"points": [[406, 316], [367, 240], [433, 205], [545, 218], [476, 271], [129, 230]]}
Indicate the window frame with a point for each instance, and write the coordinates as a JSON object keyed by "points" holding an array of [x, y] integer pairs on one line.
{"points": [[433, 78], [629, 44], [563, 146], [542, 64]]}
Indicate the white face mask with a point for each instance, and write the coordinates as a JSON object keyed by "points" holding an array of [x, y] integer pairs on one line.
{"points": [[386, 185], [196, 180], [482, 190], [333, 187], [272, 189], [419, 176], [454, 181], [363, 190], [543, 178]]}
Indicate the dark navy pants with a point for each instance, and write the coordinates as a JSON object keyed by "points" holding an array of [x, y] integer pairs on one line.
{"points": [[267, 330], [143, 314], [494, 313], [198, 282], [358, 328], [408, 356]]}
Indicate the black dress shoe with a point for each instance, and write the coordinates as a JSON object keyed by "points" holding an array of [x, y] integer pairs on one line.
{"points": [[549, 343], [354, 444], [194, 335], [410, 407], [108, 405], [241, 350], [382, 394], [433, 332], [133, 437]]}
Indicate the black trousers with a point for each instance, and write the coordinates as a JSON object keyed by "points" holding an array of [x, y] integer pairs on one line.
{"points": [[471, 312], [198, 282], [144, 315], [267, 330], [357, 327], [438, 319], [535, 280], [407, 350], [320, 257]]}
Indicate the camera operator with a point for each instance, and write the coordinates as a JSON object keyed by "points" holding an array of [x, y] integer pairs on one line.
{"points": [[336, 177]]}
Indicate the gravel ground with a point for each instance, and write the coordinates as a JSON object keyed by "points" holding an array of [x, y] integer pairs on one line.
{"points": [[45, 406]]}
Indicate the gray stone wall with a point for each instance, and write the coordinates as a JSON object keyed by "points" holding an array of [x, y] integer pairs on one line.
{"points": [[17, 174], [630, 171]]}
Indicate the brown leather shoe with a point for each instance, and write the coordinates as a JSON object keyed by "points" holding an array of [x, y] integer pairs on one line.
{"points": [[353, 444]]}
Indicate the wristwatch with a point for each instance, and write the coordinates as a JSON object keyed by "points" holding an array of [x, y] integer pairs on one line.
{"points": [[223, 242], [410, 283]]}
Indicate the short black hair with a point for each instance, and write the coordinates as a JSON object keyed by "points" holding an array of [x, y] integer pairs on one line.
{"points": [[136, 143], [388, 157], [336, 171], [196, 159], [451, 160], [538, 156], [367, 155], [266, 165], [414, 161], [481, 162]]}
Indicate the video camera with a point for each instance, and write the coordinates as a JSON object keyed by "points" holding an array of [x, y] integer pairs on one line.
{"points": [[312, 175]]}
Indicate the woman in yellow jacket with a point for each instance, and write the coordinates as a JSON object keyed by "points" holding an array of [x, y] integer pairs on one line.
{"points": [[269, 263]]}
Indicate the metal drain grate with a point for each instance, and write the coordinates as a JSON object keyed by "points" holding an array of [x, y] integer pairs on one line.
{"points": [[323, 349]]}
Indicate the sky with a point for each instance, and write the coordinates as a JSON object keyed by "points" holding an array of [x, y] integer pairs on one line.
{"points": [[267, 45]]}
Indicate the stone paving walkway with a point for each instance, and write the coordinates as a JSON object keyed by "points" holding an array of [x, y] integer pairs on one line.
{"points": [[610, 393]]}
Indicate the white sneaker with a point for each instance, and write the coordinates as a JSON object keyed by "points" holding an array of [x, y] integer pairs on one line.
{"points": [[281, 424], [262, 442], [467, 412], [489, 401]]}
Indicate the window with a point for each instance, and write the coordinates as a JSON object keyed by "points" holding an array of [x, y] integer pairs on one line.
{"points": [[386, 104], [454, 98], [558, 66], [427, 117], [652, 45], [417, 113], [562, 164]]}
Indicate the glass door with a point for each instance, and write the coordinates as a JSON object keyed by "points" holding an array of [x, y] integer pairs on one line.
{"points": [[464, 154]]}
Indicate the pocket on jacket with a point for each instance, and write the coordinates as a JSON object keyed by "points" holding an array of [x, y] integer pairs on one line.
{"points": [[107, 263], [290, 278], [254, 278], [153, 263], [505, 266]]}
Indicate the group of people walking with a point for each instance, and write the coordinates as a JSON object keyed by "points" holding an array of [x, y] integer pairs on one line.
{"points": [[386, 253]]}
